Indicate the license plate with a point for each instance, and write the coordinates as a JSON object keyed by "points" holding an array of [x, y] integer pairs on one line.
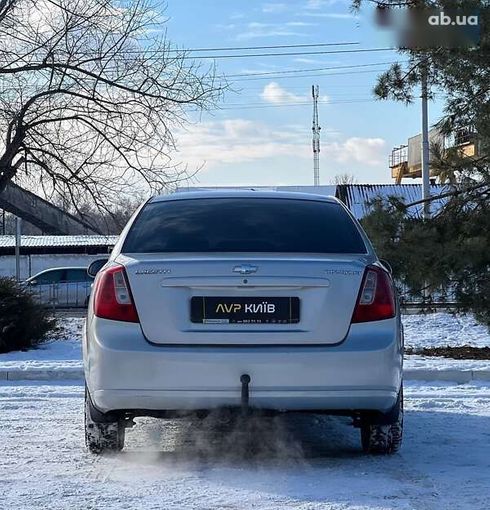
{"points": [[244, 310]]}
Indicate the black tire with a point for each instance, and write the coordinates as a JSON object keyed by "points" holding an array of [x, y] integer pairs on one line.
{"points": [[383, 439], [100, 437]]}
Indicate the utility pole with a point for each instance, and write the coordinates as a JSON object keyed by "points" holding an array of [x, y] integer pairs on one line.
{"points": [[425, 146], [315, 91], [18, 238]]}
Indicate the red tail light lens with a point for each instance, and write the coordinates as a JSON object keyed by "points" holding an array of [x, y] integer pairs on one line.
{"points": [[376, 300], [112, 296]]}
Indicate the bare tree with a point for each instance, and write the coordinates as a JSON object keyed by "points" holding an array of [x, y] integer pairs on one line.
{"points": [[113, 221], [344, 179], [90, 91]]}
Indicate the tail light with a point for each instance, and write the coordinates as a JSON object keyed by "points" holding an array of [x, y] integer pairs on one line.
{"points": [[112, 296], [376, 300]]}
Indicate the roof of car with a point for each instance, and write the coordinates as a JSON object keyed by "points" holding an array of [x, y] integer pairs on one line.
{"points": [[84, 268], [242, 193]]}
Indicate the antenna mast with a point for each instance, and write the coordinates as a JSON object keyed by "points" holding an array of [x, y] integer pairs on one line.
{"points": [[315, 90]]}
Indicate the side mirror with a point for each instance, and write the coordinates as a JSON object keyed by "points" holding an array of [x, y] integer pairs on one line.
{"points": [[386, 265], [96, 266], [33, 282]]}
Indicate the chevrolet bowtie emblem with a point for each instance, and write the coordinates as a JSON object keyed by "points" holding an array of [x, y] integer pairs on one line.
{"points": [[245, 269]]}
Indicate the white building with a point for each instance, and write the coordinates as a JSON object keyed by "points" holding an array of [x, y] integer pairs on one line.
{"points": [[44, 252]]}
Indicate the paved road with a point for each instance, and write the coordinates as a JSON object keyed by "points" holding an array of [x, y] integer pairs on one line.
{"points": [[290, 462]]}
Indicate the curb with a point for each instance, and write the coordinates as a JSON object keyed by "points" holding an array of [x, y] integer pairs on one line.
{"points": [[448, 374], [410, 374], [40, 374]]}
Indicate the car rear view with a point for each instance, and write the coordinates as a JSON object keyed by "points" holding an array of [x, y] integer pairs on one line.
{"points": [[245, 300]]}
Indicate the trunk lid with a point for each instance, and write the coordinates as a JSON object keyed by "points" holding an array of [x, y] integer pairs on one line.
{"points": [[164, 285]]}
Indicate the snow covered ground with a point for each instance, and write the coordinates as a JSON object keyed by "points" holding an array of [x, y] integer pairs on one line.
{"points": [[297, 462], [442, 329], [62, 351]]}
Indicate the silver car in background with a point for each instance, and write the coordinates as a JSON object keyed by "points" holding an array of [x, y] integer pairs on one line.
{"points": [[243, 299], [61, 287]]}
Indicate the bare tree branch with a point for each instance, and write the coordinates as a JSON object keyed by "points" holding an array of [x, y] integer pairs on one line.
{"points": [[91, 92]]}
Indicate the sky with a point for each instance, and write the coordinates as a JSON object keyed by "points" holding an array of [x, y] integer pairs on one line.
{"points": [[261, 132]]}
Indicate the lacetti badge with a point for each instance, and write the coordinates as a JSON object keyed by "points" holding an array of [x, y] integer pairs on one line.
{"points": [[152, 271]]}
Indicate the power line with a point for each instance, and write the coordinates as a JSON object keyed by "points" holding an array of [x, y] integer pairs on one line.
{"points": [[311, 69], [310, 75], [332, 94], [149, 51], [289, 53], [278, 46], [271, 77], [260, 107], [242, 91], [299, 101]]}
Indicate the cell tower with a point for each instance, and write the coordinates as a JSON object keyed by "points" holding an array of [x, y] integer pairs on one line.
{"points": [[315, 91]]}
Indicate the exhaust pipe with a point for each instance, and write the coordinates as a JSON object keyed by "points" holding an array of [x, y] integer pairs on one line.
{"points": [[245, 380]]}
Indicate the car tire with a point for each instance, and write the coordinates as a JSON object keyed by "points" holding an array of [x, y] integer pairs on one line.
{"points": [[102, 436], [383, 438]]}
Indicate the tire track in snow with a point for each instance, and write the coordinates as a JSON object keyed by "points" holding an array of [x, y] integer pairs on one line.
{"points": [[309, 463]]}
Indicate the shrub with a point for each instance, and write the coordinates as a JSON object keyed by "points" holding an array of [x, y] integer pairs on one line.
{"points": [[23, 322]]}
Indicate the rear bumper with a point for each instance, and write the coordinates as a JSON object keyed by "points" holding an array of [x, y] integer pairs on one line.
{"points": [[124, 371]]}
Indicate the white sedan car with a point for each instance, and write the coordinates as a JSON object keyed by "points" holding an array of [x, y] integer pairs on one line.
{"points": [[243, 299]]}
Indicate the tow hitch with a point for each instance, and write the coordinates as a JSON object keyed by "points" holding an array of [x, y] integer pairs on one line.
{"points": [[245, 380]]}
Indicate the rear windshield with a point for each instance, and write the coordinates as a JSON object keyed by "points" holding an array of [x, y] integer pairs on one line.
{"points": [[243, 225]]}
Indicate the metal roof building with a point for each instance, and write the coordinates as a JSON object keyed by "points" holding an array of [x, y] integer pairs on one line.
{"points": [[54, 244], [358, 197]]}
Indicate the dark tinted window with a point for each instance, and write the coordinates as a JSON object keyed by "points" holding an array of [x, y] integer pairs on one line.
{"points": [[77, 275], [54, 276], [243, 225], [96, 266]]}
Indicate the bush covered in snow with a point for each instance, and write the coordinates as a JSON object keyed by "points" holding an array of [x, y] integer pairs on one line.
{"points": [[23, 322]]}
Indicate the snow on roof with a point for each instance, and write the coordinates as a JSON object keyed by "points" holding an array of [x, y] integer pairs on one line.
{"points": [[58, 241], [357, 197]]}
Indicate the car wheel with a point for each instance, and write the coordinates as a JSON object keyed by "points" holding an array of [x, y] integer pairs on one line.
{"points": [[103, 436], [383, 438]]}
